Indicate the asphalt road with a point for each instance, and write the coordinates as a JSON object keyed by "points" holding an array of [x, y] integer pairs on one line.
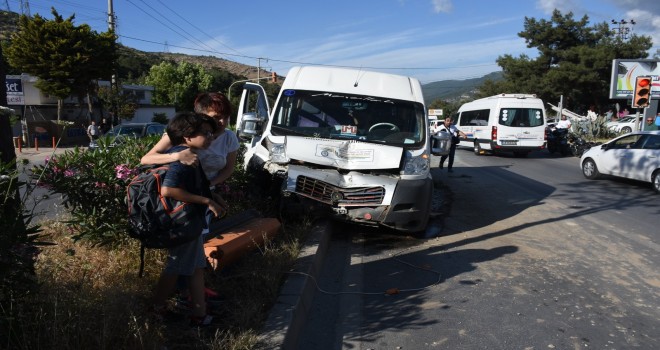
{"points": [[44, 205], [531, 256]]}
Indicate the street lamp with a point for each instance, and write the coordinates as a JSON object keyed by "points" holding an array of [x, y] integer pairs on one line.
{"points": [[623, 30]]}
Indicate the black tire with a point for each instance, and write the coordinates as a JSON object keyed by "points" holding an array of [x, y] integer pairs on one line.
{"points": [[477, 148], [655, 181], [589, 169], [626, 130]]}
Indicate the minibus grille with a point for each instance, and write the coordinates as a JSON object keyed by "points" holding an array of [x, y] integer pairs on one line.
{"points": [[333, 195]]}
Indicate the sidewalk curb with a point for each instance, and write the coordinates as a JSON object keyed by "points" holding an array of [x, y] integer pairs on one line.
{"points": [[287, 317]]}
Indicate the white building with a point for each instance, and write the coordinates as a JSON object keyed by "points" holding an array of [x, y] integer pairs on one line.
{"points": [[38, 110]]}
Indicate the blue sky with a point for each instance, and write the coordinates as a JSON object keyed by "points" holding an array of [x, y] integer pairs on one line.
{"points": [[431, 40]]}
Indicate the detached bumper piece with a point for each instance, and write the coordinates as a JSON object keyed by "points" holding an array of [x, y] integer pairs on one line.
{"points": [[229, 245]]}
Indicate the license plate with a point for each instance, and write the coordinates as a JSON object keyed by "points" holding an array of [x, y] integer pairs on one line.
{"points": [[340, 210], [504, 143]]}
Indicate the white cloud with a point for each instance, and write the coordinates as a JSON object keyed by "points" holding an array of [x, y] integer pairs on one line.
{"points": [[442, 6], [547, 6]]}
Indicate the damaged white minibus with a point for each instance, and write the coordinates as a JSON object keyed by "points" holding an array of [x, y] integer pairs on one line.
{"points": [[353, 142]]}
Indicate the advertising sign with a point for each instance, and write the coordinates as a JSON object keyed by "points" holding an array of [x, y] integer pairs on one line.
{"points": [[625, 73], [14, 88], [435, 112]]}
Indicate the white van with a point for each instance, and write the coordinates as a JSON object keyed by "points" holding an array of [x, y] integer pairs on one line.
{"points": [[353, 142], [434, 124], [504, 123]]}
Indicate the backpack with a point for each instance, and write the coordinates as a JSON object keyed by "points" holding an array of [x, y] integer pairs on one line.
{"points": [[157, 221]]}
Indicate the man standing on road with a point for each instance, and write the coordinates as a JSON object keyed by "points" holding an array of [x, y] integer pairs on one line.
{"points": [[455, 135]]}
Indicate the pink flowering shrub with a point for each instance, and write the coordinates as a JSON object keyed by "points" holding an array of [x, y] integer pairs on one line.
{"points": [[93, 183]]}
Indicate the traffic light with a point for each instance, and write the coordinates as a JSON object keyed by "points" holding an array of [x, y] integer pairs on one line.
{"points": [[273, 77], [642, 94]]}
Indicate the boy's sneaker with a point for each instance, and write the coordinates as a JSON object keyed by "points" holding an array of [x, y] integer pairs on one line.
{"points": [[203, 321]]}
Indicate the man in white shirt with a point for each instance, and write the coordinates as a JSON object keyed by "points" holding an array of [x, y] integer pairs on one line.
{"points": [[564, 123], [93, 132]]}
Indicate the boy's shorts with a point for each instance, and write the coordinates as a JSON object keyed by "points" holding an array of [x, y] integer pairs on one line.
{"points": [[186, 258]]}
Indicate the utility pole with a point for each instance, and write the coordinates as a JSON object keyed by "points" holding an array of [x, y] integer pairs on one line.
{"points": [[113, 83], [622, 30], [258, 67]]}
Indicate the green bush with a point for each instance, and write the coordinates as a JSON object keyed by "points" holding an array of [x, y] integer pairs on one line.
{"points": [[18, 241], [93, 182]]}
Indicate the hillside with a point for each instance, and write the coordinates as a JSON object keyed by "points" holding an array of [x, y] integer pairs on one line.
{"points": [[135, 63], [453, 89]]}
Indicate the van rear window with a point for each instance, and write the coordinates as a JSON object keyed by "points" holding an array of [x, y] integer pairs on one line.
{"points": [[521, 117], [474, 118]]}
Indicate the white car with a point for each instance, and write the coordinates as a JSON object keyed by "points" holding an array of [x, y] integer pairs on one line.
{"points": [[633, 156], [625, 124]]}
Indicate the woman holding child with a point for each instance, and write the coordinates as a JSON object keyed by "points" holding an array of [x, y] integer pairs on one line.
{"points": [[219, 159]]}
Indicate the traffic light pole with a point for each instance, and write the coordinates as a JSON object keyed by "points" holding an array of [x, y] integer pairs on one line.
{"points": [[641, 97], [637, 121]]}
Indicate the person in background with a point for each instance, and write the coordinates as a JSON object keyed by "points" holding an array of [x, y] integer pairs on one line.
{"points": [[564, 123], [93, 132], [105, 126], [609, 115], [592, 114], [455, 135], [650, 124]]}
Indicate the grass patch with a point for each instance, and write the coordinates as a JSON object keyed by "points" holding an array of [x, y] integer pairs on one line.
{"points": [[91, 297]]}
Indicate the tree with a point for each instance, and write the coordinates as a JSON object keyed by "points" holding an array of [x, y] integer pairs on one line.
{"points": [[125, 104], [448, 108], [65, 58], [574, 60], [7, 153], [178, 84]]}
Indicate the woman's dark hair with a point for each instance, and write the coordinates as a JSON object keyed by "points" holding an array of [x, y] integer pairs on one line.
{"points": [[187, 124], [213, 101]]}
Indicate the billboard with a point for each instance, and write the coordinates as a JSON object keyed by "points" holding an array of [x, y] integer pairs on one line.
{"points": [[625, 73], [14, 88]]}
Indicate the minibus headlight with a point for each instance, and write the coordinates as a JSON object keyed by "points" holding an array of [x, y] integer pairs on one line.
{"points": [[416, 165], [277, 152]]}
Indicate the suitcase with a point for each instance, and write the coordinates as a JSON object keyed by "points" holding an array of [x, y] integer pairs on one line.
{"points": [[229, 246]]}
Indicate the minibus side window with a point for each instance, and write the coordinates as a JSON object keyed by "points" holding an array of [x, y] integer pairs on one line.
{"points": [[474, 118]]}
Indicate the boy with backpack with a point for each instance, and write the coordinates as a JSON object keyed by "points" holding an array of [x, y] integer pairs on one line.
{"points": [[186, 183]]}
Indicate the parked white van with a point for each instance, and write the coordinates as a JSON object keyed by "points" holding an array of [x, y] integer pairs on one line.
{"points": [[434, 124], [504, 123], [353, 142]]}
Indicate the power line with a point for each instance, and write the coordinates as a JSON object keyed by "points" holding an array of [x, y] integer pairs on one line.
{"points": [[310, 63], [200, 30], [187, 35]]}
